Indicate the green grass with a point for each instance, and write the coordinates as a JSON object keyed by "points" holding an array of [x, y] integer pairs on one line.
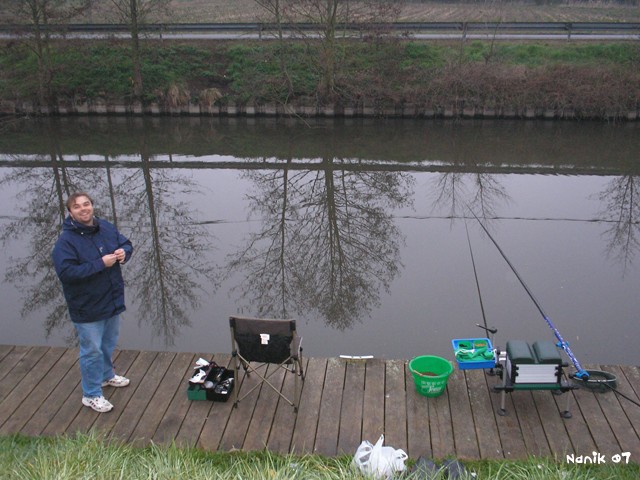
{"points": [[88, 456], [390, 70], [571, 54]]}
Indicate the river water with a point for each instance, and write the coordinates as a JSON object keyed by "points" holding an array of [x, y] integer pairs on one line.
{"points": [[363, 230]]}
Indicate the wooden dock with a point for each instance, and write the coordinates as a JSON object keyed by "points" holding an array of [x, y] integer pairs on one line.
{"points": [[342, 403]]}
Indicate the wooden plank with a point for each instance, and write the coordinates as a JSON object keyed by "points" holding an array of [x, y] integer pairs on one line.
{"points": [[10, 359], [216, 420], [4, 351], [576, 427], [395, 407], [88, 418], [33, 375], [595, 420], [41, 395], [513, 445], [196, 415], [552, 423], [264, 413], [169, 387], [170, 422], [236, 431], [535, 440], [440, 426], [484, 416], [373, 401], [304, 434], [350, 431], [629, 385], [464, 432], [16, 366], [632, 374], [418, 432], [622, 427], [64, 416], [140, 397], [285, 418], [59, 398], [331, 403]]}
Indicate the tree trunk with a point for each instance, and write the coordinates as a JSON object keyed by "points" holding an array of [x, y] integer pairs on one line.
{"points": [[329, 49], [135, 50], [41, 40]]}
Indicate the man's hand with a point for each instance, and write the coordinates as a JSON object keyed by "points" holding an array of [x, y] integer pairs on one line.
{"points": [[120, 255], [110, 260]]}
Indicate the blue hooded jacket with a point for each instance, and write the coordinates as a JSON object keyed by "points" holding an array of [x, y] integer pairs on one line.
{"points": [[93, 292]]}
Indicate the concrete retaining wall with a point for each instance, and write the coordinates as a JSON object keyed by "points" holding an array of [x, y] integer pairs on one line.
{"points": [[101, 106]]}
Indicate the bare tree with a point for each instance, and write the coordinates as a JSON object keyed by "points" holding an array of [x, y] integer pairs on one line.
{"points": [[135, 13], [329, 16], [41, 15], [277, 12]]}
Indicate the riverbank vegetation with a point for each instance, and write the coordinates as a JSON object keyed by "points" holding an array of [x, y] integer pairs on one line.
{"points": [[328, 66], [88, 456], [590, 79]]}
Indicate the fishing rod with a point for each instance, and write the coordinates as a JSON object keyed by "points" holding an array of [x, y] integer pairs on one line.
{"points": [[491, 330], [475, 274], [581, 372]]}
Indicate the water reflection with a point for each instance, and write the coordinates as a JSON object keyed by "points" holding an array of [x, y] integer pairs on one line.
{"points": [[37, 223], [621, 208], [327, 243], [456, 192], [172, 268]]}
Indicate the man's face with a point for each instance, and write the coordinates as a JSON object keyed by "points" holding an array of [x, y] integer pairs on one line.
{"points": [[82, 210]]}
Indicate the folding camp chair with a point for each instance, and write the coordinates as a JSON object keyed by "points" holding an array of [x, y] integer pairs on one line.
{"points": [[256, 343]]}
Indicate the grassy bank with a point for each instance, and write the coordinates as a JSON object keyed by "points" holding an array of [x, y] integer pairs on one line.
{"points": [[586, 78], [89, 457]]}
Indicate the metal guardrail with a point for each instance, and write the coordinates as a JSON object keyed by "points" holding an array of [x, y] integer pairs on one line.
{"points": [[544, 27]]}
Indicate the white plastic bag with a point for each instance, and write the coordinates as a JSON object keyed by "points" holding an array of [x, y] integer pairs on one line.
{"points": [[378, 461]]}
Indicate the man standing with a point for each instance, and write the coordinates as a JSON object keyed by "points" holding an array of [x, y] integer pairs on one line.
{"points": [[87, 259]]}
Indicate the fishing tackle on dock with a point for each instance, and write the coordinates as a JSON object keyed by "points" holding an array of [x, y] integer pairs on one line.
{"points": [[581, 373]]}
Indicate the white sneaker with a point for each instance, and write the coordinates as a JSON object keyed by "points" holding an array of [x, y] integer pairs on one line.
{"points": [[116, 381], [99, 404]]}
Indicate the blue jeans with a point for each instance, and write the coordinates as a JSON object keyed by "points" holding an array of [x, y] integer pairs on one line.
{"points": [[97, 342]]}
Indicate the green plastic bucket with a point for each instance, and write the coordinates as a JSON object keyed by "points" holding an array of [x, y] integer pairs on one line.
{"points": [[430, 374]]}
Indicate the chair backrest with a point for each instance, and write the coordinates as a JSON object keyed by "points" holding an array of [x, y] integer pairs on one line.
{"points": [[263, 340]]}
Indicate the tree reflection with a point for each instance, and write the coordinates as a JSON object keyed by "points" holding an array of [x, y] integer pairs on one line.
{"points": [[169, 268], [328, 242], [622, 207], [170, 247], [38, 225], [455, 191]]}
